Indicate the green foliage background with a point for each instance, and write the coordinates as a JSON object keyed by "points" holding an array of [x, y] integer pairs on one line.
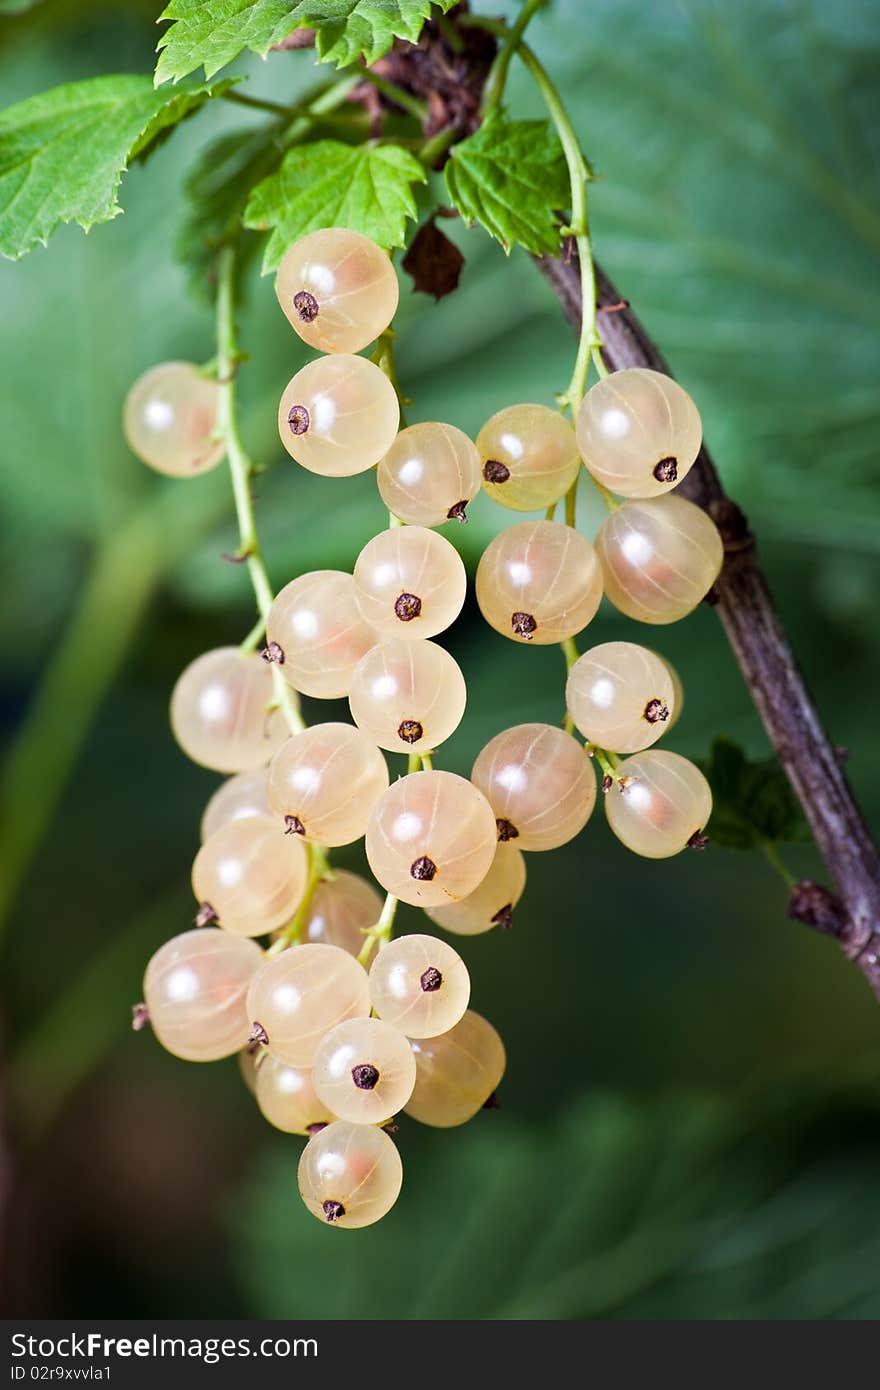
{"points": [[690, 1122]]}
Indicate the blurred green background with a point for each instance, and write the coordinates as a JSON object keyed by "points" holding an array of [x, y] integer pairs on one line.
{"points": [[690, 1122]]}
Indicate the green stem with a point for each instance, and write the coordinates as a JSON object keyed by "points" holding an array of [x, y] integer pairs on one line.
{"points": [[381, 932], [427, 761], [254, 637], [569, 651], [571, 501], [319, 869], [603, 758], [438, 144], [771, 854], [241, 467], [405, 100], [275, 108], [384, 360], [497, 79]]}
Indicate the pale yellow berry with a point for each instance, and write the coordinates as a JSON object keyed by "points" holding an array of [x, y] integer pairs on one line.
{"points": [[659, 558], [317, 627], [341, 910], [429, 474], [251, 875], [456, 1073], [286, 1096], [325, 782], [539, 783], [337, 289], [222, 712], [419, 985], [431, 838], [639, 432], [238, 798], [299, 994], [195, 988], [492, 903], [350, 1175], [407, 696], [170, 420], [621, 696], [662, 802], [364, 1070], [409, 582], [529, 457], [338, 416], [539, 581]]}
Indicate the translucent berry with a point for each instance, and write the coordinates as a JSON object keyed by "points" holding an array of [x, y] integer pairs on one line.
{"points": [[364, 1070], [350, 1175], [286, 1096], [221, 711], [250, 875], [341, 910], [429, 474], [677, 692], [195, 988], [325, 782], [639, 432], [238, 798], [621, 696], [249, 1060], [491, 904], [431, 838], [662, 803], [409, 582], [170, 420], [539, 582], [539, 783], [316, 633], [298, 995], [407, 696], [419, 985], [659, 558], [529, 457], [338, 416], [456, 1073], [338, 289]]}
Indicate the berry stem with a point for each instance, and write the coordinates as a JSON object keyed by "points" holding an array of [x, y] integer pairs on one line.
{"points": [[381, 932], [241, 467], [493, 91], [570, 652], [383, 356], [319, 870], [771, 854], [254, 637], [603, 758], [405, 100]]}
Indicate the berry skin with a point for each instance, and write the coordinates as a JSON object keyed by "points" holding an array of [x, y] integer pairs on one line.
{"points": [[409, 582], [407, 696], [639, 432], [621, 696], [195, 988], [238, 798], [350, 1175], [316, 623], [429, 475], [325, 781], [341, 910], [529, 457], [251, 875], [301, 993], [338, 416], [662, 803], [286, 1097], [220, 711], [456, 1073], [539, 783], [170, 419], [431, 838], [364, 1070], [539, 582], [491, 904], [659, 558], [337, 289], [419, 985]]}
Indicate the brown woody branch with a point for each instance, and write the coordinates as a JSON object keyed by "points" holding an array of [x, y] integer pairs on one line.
{"points": [[762, 650]]}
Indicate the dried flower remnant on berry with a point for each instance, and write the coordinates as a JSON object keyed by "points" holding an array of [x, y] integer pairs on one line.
{"points": [[298, 419], [258, 1036], [698, 840], [506, 831], [365, 1076], [666, 471], [458, 512], [410, 730], [523, 625], [407, 607], [306, 305], [205, 915], [431, 979], [495, 472], [273, 653], [140, 1017], [423, 869], [656, 712], [293, 826], [503, 918], [333, 1210]]}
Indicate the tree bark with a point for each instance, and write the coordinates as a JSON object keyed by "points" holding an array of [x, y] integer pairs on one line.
{"points": [[759, 642]]}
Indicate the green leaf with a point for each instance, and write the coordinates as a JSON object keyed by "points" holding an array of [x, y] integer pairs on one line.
{"points": [[367, 188], [511, 177], [211, 33], [752, 801], [63, 153]]}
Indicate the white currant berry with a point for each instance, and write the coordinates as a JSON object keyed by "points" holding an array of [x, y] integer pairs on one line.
{"points": [[456, 1073], [223, 712], [316, 634], [539, 581], [249, 876], [364, 1070], [409, 582], [491, 904], [295, 997], [337, 289], [238, 798], [529, 457], [659, 558], [325, 782], [429, 474], [621, 696], [539, 783], [341, 910], [407, 696], [662, 802], [639, 432], [286, 1096], [195, 988], [170, 420], [420, 985], [338, 416], [350, 1175]]}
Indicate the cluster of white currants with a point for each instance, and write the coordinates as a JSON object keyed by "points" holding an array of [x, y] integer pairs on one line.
{"points": [[331, 1050]]}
